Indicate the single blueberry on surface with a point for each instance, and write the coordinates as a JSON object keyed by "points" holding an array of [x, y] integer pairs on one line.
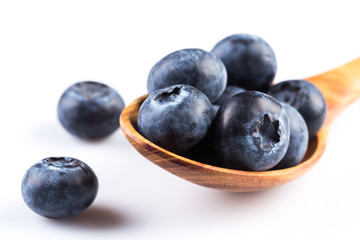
{"points": [[249, 60], [90, 110], [195, 67], [229, 92], [299, 139], [304, 97], [251, 131], [59, 187], [176, 117]]}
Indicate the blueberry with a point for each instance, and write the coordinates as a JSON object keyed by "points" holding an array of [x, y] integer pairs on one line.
{"points": [[195, 67], [90, 110], [59, 187], [249, 60], [229, 92], [251, 131], [176, 117], [299, 138], [304, 97]]}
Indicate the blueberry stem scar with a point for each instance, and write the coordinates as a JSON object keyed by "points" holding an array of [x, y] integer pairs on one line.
{"points": [[267, 131]]}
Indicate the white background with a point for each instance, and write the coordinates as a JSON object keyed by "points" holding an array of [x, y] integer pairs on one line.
{"points": [[45, 46]]}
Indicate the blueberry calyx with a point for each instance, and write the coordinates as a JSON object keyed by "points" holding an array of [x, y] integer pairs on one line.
{"points": [[62, 162], [91, 89], [268, 132], [167, 95]]}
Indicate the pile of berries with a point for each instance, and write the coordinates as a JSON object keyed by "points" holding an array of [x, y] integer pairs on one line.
{"points": [[223, 103]]}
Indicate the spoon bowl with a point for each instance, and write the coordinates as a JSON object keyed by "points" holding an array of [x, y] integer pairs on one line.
{"points": [[340, 87]]}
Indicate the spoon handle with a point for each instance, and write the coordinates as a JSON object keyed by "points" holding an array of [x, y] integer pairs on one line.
{"points": [[340, 87]]}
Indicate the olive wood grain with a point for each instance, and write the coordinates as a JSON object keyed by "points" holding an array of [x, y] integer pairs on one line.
{"points": [[340, 87]]}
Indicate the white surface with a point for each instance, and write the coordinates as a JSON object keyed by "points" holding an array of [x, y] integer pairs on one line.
{"points": [[45, 46]]}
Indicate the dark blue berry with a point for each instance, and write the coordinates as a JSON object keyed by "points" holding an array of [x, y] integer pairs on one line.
{"points": [[195, 67], [304, 97], [251, 131], [59, 187], [299, 138], [176, 117], [249, 60], [90, 110]]}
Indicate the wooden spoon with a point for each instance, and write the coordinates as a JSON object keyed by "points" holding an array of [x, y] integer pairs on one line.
{"points": [[340, 87]]}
